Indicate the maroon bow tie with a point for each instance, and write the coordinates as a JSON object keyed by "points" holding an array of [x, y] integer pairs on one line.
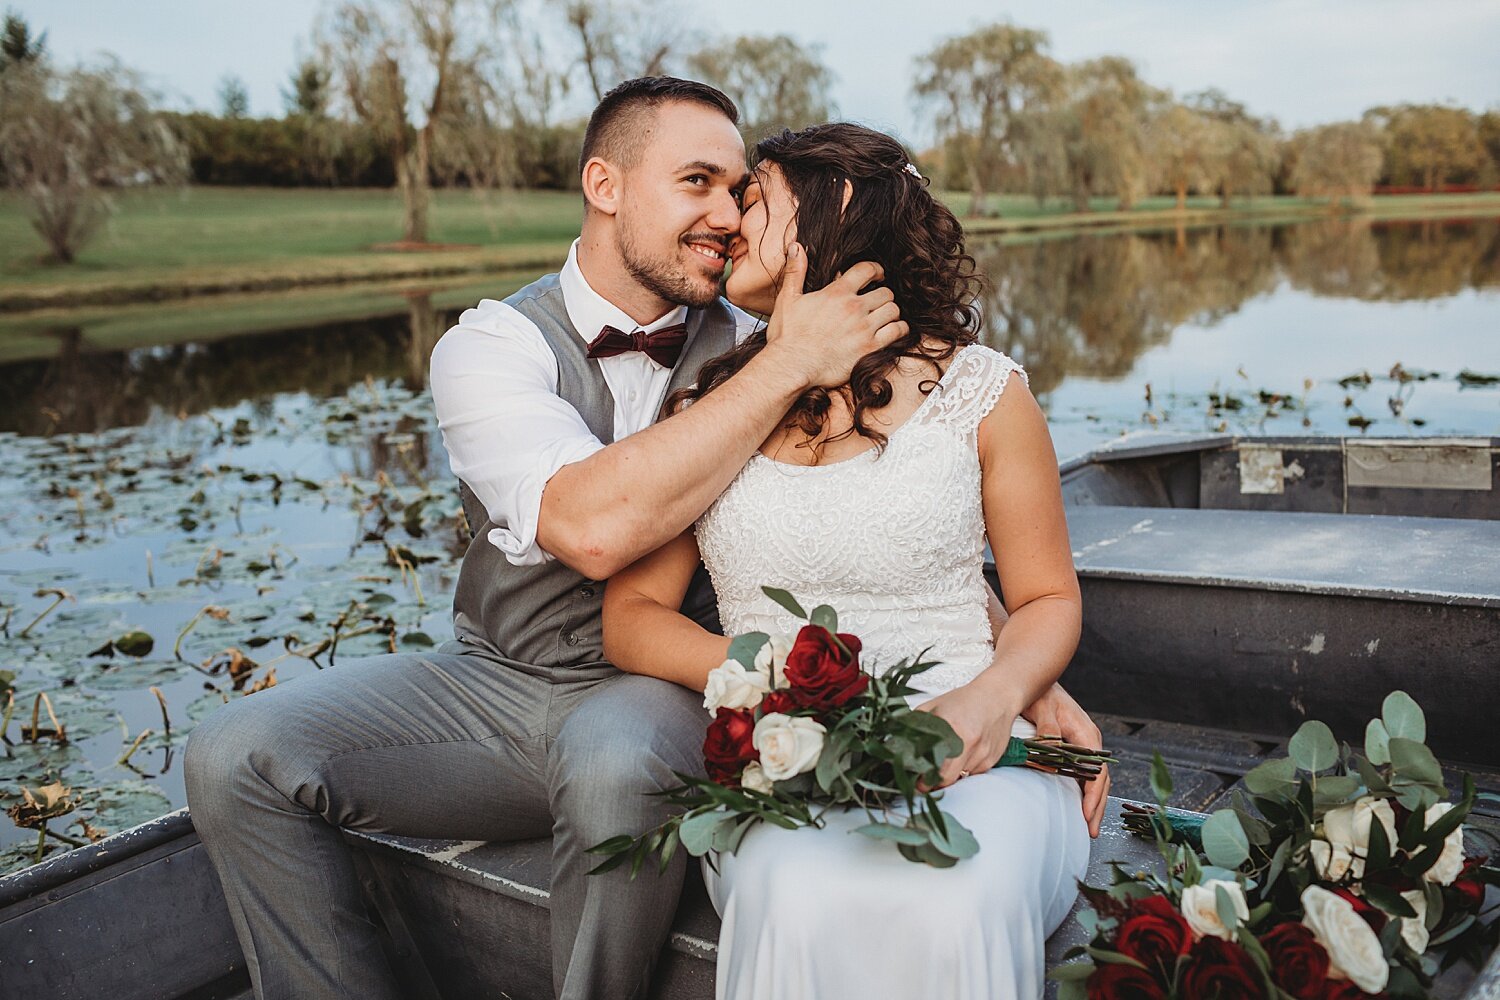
{"points": [[663, 346]]}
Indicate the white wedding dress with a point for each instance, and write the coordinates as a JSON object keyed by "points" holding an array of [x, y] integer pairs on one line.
{"points": [[895, 544]]}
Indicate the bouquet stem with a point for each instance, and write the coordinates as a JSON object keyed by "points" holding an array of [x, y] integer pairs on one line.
{"points": [[1183, 827], [1053, 755]]}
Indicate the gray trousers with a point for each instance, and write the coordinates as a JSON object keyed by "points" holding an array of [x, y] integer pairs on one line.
{"points": [[448, 744]]}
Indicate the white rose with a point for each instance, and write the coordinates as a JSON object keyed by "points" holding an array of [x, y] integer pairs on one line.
{"points": [[1333, 863], [789, 745], [755, 778], [730, 685], [1353, 949], [1451, 861], [1414, 929], [1348, 827], [771, 661], [1200, 906]]}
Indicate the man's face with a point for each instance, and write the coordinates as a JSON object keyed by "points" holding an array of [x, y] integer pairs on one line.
{"points": [[680, 204]]}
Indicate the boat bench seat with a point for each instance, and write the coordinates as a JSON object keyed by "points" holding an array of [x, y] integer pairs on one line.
{"points": [[1357, 555], [492, 897]]}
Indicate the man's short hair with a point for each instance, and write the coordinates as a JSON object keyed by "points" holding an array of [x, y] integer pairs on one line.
{"points": [[616, 129]]}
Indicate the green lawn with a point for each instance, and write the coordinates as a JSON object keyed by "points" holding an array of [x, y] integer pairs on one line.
{"points": [[219, 226], [208, 239]]}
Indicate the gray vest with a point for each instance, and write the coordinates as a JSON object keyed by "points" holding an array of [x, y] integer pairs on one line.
{"points": [[549, 614]]}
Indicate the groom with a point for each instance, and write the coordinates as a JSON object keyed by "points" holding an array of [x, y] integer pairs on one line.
{"points": [[518, 728]]}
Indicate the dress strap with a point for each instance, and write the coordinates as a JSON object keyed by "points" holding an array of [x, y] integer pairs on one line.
{"points": [[969, 388]]}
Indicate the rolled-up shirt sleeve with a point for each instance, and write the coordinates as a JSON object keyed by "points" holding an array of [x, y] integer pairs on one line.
{"points": [[506, 430]]}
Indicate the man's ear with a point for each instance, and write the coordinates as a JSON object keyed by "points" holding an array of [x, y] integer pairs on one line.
{"points": [[601, 185]]}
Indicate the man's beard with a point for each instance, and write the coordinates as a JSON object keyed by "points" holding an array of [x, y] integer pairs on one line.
{"points": [[665, 277]]}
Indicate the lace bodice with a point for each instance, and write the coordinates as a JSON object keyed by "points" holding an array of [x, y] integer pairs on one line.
{"points": [[894, 542]]}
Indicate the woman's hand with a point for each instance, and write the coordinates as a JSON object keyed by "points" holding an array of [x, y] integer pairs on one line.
{"points": [[981, 720], [1057, 714]]}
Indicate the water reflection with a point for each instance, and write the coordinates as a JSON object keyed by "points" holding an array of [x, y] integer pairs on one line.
{"points": [[1086, 305], [82, 390], [1090, 305]]}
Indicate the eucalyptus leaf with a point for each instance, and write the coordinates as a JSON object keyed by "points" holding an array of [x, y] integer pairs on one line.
{"points": [[1403, 717], [892, 832], [825, 616], [745, 648], [1224, 908], [1413, 762], [697, 831], [1273, 778], [957, 842], [1313, 747], [1224, 839], [1377, 738]]}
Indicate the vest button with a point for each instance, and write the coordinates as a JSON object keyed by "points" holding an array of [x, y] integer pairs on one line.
{"points": [[572, 639], [585, 591]]}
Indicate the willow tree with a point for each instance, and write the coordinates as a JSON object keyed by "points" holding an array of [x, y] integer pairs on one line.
{"points": [[776, 82], [1092, 139], [1344, 158], [1183, 144], [981, 88], [69, 139], [621, 39], [420, 74], [1245, 149], [1430, 144], [18, 46]]}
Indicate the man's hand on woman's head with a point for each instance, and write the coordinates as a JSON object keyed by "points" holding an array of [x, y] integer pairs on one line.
{"points": [[823, 334]]}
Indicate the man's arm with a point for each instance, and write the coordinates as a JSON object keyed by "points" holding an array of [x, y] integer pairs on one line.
{"points": [[600, 514]]}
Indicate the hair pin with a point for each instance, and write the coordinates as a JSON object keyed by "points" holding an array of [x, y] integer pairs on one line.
{"points": [[911, 169]]}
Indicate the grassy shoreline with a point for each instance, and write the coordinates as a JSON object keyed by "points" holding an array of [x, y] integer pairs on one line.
{"points": [[216, 241]]}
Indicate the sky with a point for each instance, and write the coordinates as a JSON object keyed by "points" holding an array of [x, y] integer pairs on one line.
{"points": [[1302, 62]]}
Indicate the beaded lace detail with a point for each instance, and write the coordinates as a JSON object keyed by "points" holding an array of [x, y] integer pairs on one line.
{"points": [[894, 542]]}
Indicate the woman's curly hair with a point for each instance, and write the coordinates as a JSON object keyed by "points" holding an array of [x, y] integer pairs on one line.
{"points": [[892, 219]]}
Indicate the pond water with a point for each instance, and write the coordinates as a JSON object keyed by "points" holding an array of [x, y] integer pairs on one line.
{"points": [[256, 484]]}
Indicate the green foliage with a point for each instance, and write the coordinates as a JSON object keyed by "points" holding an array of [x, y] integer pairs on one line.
{"points": [[775, 81], [1313, 747], [1224, 839], [18, 47], [1262, 843]]}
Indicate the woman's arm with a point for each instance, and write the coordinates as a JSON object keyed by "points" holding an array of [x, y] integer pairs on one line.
{"points": [[1028, 531], [645, 633]]}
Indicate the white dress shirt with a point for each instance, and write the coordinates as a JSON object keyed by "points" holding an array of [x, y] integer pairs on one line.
{"points": [[506, 430]]}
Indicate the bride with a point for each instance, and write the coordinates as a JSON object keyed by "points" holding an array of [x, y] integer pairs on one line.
{"points": [[877, 497]]}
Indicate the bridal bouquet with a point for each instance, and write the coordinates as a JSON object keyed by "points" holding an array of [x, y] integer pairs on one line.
{"points": [[1336, 878], [799, 728]]}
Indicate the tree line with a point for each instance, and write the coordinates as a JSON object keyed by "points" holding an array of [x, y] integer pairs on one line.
{"points": [[414, 94]]}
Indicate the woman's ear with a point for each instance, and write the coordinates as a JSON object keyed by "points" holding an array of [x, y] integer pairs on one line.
{"points": [[601, 186]]}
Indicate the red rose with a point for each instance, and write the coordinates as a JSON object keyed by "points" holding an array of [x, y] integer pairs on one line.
{"points": [[1469, 888], [728, 747], [1373, 915], [1154, 934], [784, 702], [1219, 970], [1298, 963], [821, 674], [1114, 981]]}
